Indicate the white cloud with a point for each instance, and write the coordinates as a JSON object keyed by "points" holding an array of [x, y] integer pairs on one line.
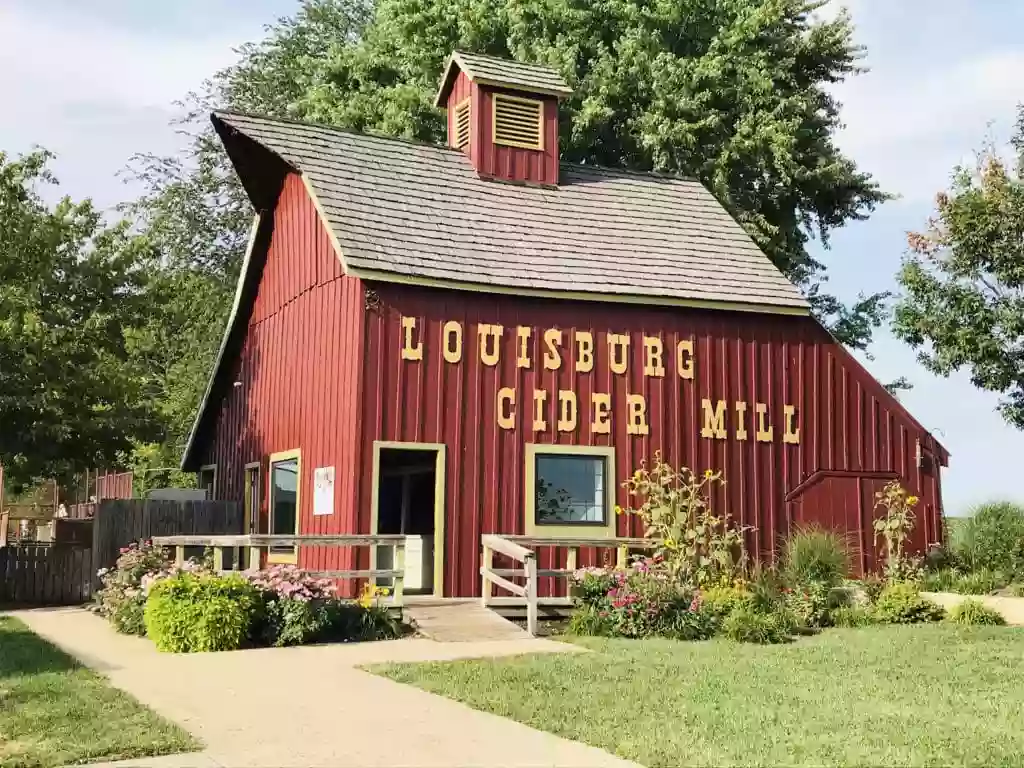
{"points": [[95, 94]]}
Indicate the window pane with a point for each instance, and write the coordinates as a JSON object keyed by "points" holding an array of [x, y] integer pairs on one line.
{"points": [[570, 489], [284, 489]]}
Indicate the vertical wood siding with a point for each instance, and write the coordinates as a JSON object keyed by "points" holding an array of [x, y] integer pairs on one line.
{"points": [[848, 422], [299, 374]]}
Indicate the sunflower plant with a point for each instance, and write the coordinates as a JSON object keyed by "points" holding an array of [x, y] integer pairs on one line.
{"points": [[894, 527], [695, 545]]}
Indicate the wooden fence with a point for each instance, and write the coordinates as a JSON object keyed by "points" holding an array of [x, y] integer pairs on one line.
{"points": [[65, 571], [45, 574]]}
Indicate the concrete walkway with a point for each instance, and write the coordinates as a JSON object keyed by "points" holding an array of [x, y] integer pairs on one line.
{"points": [[311, 706]]}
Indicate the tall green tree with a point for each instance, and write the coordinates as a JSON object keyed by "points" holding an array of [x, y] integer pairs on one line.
{"points": [[734, 92], [71, 293], [963, 279]]}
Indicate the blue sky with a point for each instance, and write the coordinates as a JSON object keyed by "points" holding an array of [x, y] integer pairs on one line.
{"points": [[97, 84]]}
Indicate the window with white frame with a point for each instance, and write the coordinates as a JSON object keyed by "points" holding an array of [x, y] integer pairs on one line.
{"points": [[570, 489]]}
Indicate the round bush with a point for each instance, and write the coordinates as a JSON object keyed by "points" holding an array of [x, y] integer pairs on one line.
{"points": [[852, 616], [902, 604], [194, 612], [720, 602], [975, 613], [745, 626], [992, 538]]}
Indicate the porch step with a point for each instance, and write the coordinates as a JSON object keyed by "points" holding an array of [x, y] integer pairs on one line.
{"points": [[460, 621]]}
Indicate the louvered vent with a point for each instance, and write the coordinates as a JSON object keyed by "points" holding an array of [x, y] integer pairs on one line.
{"points": [[518, 122], [461, 137]]}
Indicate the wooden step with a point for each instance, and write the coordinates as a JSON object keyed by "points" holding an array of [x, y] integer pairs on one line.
{"points": [[460, 621]]}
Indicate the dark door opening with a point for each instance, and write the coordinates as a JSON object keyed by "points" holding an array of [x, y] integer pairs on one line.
{"points": [[407, 483]]}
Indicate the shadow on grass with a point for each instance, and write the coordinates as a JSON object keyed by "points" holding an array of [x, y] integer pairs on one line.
{"points": [[23, 653]]}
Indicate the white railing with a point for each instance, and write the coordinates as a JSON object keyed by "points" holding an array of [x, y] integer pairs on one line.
{"points": [[259, 544], [522, 549]]}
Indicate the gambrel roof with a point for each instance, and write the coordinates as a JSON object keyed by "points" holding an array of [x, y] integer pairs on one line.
{"points": [[413, 212]]}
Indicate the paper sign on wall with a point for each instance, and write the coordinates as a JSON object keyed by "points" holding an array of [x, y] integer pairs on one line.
{"points": [[323, 491]]}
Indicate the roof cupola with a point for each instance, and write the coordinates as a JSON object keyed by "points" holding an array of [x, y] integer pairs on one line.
{"points": [[504, 115]]}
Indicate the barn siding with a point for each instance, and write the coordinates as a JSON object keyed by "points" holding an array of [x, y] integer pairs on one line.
{"points": [[299, 370], [847, 421]]}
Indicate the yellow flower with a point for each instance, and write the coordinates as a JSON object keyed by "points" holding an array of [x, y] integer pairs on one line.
{"points": [[670, 543], [618, 510], [912, 500], [708, 473]]}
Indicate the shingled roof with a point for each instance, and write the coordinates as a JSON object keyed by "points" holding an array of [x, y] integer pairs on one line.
{"points": [[404, 210], [490, 70]]}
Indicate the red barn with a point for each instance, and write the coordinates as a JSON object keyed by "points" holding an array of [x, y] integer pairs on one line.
{"points": [[427, 339]]}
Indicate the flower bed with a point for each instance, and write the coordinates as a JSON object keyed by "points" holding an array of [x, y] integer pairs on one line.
{"points": [[191, 608]]}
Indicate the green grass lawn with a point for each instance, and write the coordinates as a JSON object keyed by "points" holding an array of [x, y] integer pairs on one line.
{"points": [[54, 711], [921, 695]]}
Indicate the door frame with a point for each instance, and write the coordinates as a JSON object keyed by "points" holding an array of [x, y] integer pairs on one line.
{"points": [[439, 499], [248, 508]]}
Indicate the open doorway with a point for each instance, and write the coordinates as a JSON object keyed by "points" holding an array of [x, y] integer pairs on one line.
{"points": [[409, 485]]}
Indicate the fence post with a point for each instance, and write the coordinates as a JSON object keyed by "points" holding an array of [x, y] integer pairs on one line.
{"points": [[531, 593], [5, 519], [399, 566], [486, 590], [179, 555], [254, 558], [218, 558]]}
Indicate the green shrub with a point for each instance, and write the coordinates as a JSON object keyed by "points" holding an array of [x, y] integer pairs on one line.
{"points": [[975, 613], [1017, 590], [981, 582], [852, 616], [745, 625], [189, 612], [128, 617], [588, 620], [591, 586], [992, 538], [121, 596], [766, 590], [720, 602], [814, 555], [901, 603], [809, 605], [944, 580], [873, 586]]}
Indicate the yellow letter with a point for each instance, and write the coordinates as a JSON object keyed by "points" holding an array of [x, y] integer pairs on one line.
{"points": [[452, 330], [523, 332], [653, 365], [791, 432], [584, 351], [602, 412], [637, 408], [684, 358], [539, 396], [410, 351], [552, 357], [494, 332], [764, 429], [506, 418], [714, 420], [566, 410], [621, 341], [741, 420]]}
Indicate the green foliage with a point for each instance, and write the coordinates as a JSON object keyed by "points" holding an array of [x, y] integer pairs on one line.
{"points": [[872, 585], [852, 616], [71, 291], [129, 617], [975, 613], [1017, 590], [189, 613], [894, 528], [812, 555], [981, 582], [809, 604], [748, 626], [901, 603], [696, 546], [641, 602], [720, 602], [122, 594], [963, 279], [992, 538]]}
